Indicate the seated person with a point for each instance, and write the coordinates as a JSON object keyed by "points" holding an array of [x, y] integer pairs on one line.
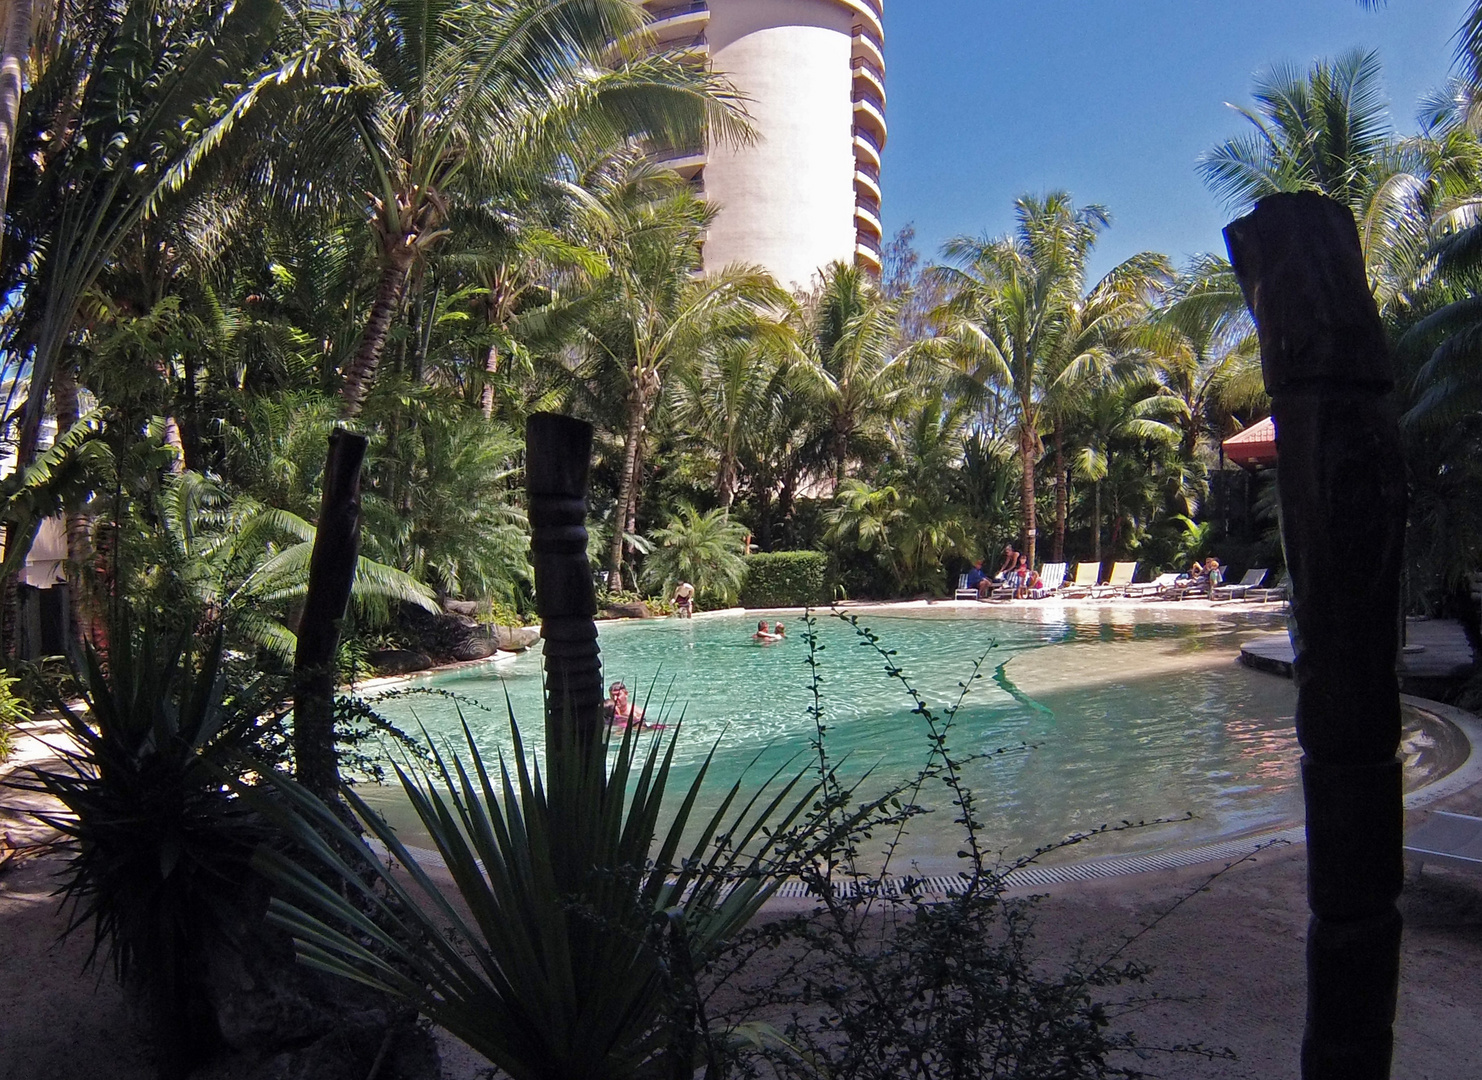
{"points": [[778, 632], [977, 579], [762, 633], [684, 600], [1033, 585], [619, 709]]}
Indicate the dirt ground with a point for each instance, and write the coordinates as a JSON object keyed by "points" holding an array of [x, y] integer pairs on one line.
{"points": [[1229, 970]]}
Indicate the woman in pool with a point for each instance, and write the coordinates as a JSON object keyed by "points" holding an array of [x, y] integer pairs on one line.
{"points": [[778, 632]]}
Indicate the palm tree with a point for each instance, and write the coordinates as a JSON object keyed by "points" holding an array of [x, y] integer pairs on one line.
{"points": [[446, 97], [1010, 303], [1206, 351], [1115, 413], [653, 310], [727, 399], [849, 332], [703, 549], [1327, 129]]}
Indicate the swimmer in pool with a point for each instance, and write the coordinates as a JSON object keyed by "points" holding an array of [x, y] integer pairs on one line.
{"points": [[778, 632], [762, 633], [619, 709]]}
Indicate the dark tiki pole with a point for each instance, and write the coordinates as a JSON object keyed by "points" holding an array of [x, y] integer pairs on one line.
{"points": [[1342, 489], [558, 451], [331, 573]]}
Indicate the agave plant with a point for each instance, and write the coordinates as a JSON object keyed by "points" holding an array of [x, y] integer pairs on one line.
{"points": [[574, 956], [159, 846]]}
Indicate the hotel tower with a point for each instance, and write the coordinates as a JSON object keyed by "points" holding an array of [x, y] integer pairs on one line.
{"points": [[807, 191]]}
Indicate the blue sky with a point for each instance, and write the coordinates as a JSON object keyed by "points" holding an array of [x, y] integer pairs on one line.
{"points": [[1113, 100]]}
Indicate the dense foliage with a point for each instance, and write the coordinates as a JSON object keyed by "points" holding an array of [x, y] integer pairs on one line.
{"points": [[786, 579]]}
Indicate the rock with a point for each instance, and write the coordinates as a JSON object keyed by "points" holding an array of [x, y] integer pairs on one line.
{"points": [[475, 648], [472, 608], [399, 661], [636, 610], [514, 638]]}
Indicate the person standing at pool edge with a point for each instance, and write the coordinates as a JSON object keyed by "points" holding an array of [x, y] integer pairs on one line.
{"points": [[684, 600]]}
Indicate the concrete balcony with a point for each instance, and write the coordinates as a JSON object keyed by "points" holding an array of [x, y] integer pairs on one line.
{"points": [[870, 47], [868, 254], [867, 221], [868, 79], [867, 182], [687, 163], [867, 148], [868, 15], [869, 115], [681, 23]]}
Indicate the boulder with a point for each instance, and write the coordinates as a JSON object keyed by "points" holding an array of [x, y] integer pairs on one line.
{"points": [[478, 647], [399, 661], [472, 608], [636, 610], [514, 638]]}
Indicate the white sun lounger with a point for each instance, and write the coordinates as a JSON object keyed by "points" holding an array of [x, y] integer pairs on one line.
{"points": [[963, 592], [1446, 839], [1158, 587]]}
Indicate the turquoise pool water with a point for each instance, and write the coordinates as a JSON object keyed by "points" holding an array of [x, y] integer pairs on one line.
{"points": [[1113, 715]]}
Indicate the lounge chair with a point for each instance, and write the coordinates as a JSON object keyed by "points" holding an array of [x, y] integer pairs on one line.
{"points": [[963, 592], [1280, 591], [1084, 581], [1118, 582], [1448, 839], [1158, 588], [1051, 577], [1252, 580]]}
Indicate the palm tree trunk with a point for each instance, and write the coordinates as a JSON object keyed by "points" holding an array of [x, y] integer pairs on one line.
{"points": [[362, 370], [1026, 490], [628, 488], [78, 521], [1062, 493], [491, 366], [13, 53], [1096, 519]]}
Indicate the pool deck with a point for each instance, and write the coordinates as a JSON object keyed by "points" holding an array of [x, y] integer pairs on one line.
{"points": [[1436, 658]]}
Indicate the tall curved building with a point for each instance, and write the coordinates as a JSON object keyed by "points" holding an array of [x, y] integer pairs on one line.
{"points": [[807, 191]]}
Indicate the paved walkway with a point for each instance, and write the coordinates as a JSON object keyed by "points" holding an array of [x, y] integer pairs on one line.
{"points": [[1436, 654]]}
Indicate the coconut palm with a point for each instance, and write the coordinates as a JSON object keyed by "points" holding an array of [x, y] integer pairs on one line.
{"points": [[1011, 300], [856, 382], [653, 310], [450, 97], [1115, 413], [1206, 352], [1327, 129]]}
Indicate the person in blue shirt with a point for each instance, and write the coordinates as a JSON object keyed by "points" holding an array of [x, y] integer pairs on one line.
{"points": [[976, 578]]}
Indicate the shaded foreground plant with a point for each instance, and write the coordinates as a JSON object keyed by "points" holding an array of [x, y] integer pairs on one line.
{"points": [[159, 848], [884, 980], [580, 939]]}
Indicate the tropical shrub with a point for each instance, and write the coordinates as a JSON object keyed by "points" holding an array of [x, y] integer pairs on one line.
{"points": [[583, 937], [159, 847], [13, 710], [703, 549], [786, 579]]}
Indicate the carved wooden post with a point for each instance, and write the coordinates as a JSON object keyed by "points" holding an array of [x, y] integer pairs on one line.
{"points": [[331, 573], [558, 451], [1342, 488]]}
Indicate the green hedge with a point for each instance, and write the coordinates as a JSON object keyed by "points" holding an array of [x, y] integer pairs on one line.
{"points": [[786, 579]]}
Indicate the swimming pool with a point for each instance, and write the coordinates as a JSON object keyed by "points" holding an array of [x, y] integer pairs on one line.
{"points": [[1115, 714]]}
